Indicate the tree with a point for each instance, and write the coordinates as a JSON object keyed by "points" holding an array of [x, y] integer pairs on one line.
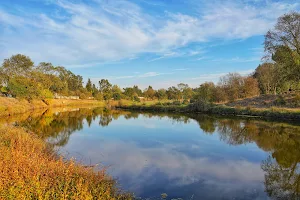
{"points": [[72, 81], [116, 91], [282, 44], [269, 78], [129, 92], [205, 92], [17, 65], [186, 91], [23, 87], [161, 94], [137, 91], [89, 86], [219, 94], [94, 90], [232, 83], [105, 87], [251, 88], [173, 93], [149, 92]]}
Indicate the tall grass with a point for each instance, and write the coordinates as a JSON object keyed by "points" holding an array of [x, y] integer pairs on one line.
{"points": [[30, 169]]}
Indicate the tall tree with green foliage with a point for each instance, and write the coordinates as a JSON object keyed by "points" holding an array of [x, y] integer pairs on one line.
{"points": [[105, 88], [89, 85], [149, 93], [16, 65], [282, 45]]}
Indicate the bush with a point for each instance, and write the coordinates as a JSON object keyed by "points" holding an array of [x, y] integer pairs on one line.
{"points": [[99, 97], [137, 99], [297, 100], [185, 102], [280, 101], [117, 96], [82, 96], [158, 104], [200, 106], [46, 94], [22, 87]]}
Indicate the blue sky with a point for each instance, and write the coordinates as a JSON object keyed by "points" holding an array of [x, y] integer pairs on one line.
{"points": [[141, 42]]}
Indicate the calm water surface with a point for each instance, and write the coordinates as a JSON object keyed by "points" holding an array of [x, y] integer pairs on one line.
{"points": [[188, 157]]}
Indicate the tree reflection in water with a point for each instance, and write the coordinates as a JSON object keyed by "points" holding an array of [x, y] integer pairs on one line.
{"points": [[281, 140]]}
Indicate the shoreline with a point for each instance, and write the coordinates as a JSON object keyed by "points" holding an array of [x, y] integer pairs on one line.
{"points": [[12, 106], [276, 113]]}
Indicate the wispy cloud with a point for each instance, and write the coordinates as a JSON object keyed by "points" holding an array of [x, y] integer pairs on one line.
{"points": [[181, 69], [115, 30], [150, 74]]}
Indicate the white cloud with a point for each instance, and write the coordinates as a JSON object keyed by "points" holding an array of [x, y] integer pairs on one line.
{"points": [[114, 30], [181, 69]]}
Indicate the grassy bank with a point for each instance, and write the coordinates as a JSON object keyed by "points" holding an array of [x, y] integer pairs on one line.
{"points": [[200, 107], [12, 106], [30, 169]]}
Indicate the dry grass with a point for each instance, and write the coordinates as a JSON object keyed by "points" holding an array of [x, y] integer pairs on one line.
{"points": [[30, 169]]}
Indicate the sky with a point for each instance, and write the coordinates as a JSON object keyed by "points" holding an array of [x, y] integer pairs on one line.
{"points": [[142, 42]]}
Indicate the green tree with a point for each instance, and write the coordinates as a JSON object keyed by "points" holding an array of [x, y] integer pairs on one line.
{"points": [[161, 94], [282, 44], [149, 93], [205, 92], [89, 86], [173, 93], [105, 88], [16, 65], [129, 93], [268, 77], [185, 90]]}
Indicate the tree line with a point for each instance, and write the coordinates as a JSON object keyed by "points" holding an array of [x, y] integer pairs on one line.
{"points": [[278, 74]]}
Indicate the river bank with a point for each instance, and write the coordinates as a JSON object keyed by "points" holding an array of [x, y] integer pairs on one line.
{"points": [[206, 108], [31, 169], [12, 106]]}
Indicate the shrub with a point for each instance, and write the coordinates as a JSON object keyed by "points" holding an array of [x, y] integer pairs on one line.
{"points": [[22, 87], [158, 104], [117, 96], [46, 94], [192, 101], [200, 106], [137, 99], [297, 100], [99, 97], [82, 96], [185, 102], [177, 103], [280, 101]]}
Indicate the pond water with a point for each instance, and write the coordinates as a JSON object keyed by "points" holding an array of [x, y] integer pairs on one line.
{"points": [[183, 156]]}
